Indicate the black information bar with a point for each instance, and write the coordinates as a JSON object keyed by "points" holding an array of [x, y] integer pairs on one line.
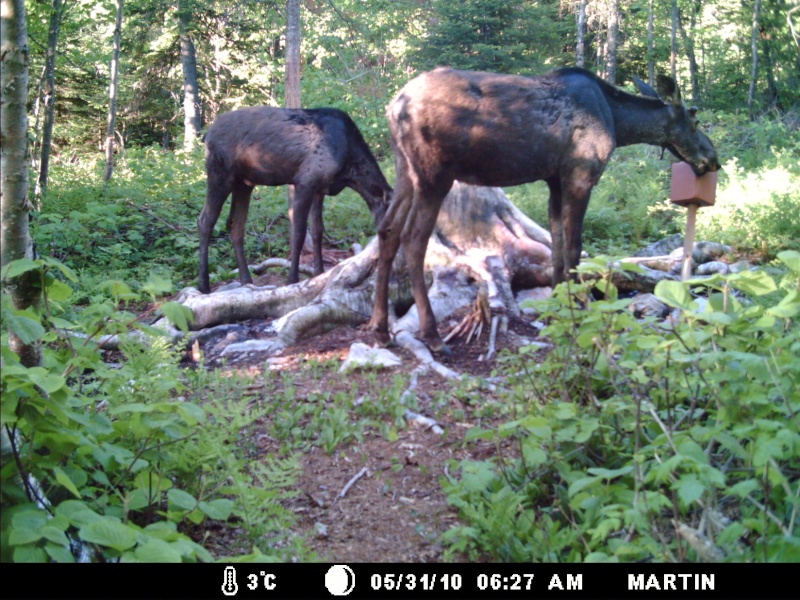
{"points": [[375, 581]]}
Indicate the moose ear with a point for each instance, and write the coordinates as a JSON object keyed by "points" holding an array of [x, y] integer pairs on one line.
{"points": [[668, 90], [644, 89]]}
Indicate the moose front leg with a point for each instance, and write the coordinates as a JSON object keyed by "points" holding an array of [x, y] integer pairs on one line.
{"points": [[574, 202], [301, 207], [555, 209]]}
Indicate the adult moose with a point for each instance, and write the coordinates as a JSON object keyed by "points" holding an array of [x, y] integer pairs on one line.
{"points": [[503, 130], [319, 151]]}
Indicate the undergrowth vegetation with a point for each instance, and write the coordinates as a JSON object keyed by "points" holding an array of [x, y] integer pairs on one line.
{"points": [[642, 440], [119, 461]]}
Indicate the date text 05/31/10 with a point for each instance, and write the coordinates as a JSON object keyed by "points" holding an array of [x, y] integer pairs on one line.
{"points": [[454, 581]]}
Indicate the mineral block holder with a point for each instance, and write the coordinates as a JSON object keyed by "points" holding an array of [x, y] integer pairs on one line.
{"points": [[691, 191]]}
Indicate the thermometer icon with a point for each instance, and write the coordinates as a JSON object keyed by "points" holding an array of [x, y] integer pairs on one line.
{"points": [[230, 587]]}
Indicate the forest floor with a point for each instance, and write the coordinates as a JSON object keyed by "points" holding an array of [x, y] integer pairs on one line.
{"points": [[396, 511]]}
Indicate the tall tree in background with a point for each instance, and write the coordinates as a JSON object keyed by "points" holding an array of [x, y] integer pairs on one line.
{"points": [[673, 41], [771, 13], [688, 38], [751, 95], [113, 94], [612, 42], [293, 33], [15, 240], [488, 35], [580, 51], [49, 95], [191, 98], [650, 45]]}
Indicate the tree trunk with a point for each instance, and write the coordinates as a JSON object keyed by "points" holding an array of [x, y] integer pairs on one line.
{"points": [[293, 33], [613, 42], [191, 100], [15, 240], [112, 94], [673, 46], [688, 42], [751, 95], [49, 93], [769, 71], [580, 58], [651, 76]]}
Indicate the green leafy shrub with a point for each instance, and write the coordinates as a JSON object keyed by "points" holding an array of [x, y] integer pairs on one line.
{"points": [[640, 440], [96, 456]]}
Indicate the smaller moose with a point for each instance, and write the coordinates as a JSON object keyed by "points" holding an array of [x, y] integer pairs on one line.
{"points": [[319, 151]]}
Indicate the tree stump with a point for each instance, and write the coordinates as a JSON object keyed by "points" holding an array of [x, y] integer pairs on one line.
{"points": [[481, 239], [483, 247]]}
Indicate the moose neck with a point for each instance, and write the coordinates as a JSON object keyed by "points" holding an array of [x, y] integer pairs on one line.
{"points": [[639, 120]]}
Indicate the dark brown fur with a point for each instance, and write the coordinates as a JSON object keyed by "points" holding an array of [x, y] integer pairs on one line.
{"points": [[319, 151], [504, 130]]}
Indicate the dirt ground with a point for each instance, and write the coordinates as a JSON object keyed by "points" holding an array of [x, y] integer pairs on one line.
{"points": [[377, 500]]}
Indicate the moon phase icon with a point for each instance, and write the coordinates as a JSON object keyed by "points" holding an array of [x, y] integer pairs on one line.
{"points": [[340, 580]]}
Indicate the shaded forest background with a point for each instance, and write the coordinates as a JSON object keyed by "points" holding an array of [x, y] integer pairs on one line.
{"points": [[356, 53]]}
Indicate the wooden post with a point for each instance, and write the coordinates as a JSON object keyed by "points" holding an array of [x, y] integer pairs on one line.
{"points": [[688, 242]]}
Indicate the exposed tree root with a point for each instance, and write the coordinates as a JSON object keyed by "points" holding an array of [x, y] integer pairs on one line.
{"points": [[481, 241], [482, 250]]}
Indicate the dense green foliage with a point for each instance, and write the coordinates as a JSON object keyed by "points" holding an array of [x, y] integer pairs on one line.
{"points": [[357, 53], [637, 424], [110, 456], [632, 429]]}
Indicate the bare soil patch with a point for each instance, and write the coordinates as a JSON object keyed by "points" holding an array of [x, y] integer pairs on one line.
{"points": [[396, 510]]}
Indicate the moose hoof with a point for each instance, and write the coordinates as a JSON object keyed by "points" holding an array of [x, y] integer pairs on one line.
{"points": [[382, 338], [437, 346]]}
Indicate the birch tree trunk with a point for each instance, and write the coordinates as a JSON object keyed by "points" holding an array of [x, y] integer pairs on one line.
{"points": [[580, 58], [613, 41], [293, 30], [651, 75], [15, 240], [191, 101], [112, 95], [49, 94], [293, 34], [751, 95]]}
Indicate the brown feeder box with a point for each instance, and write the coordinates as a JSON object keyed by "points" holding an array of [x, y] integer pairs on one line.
{"points": [[691, 191]]}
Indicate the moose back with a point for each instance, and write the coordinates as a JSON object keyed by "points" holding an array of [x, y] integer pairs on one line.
{"points": [[505, 130]]}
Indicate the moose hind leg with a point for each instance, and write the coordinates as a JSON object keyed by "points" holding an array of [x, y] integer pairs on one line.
{"points": [[316, 231], [418, 230], [215, 199], [389, 231], [237, 221]]}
